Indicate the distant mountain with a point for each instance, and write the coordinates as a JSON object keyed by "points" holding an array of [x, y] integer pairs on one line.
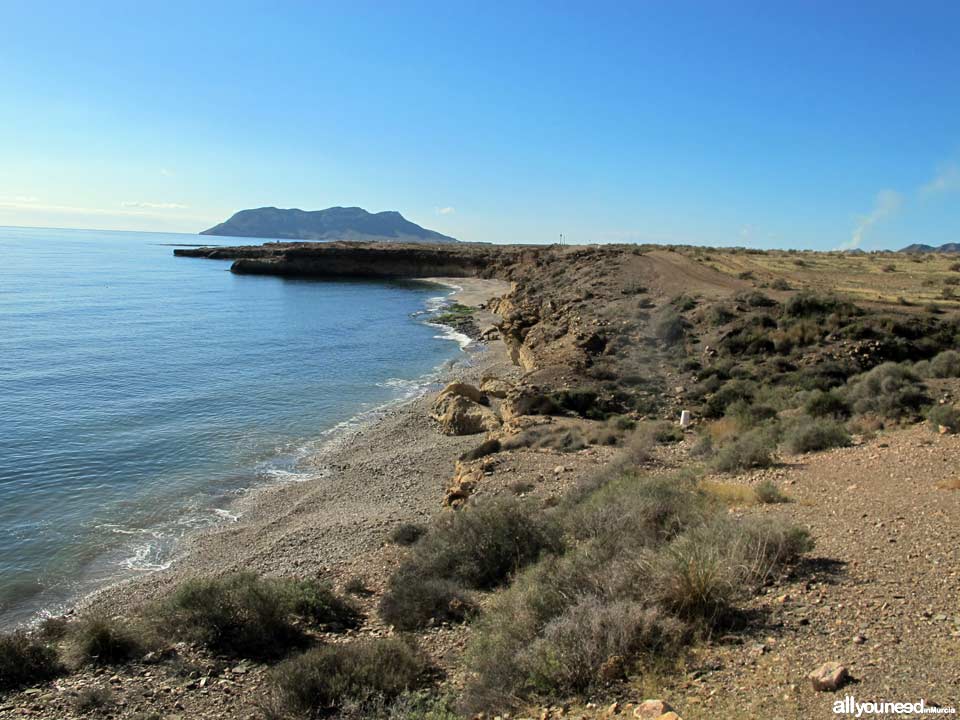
{"points": [[921, 248], [336, 223]]}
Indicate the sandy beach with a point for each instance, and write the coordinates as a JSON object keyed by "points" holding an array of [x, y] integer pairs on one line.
{"points": [[392, 469]]}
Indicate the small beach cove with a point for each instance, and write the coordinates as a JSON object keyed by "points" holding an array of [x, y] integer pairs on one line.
{"points": [[153, 419], [367, 479]]}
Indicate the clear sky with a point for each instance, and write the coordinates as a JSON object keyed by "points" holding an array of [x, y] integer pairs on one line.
{"points": [[767, 124]]}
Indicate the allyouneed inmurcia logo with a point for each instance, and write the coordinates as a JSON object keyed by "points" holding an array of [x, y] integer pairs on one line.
{"points": [[850, 706]]}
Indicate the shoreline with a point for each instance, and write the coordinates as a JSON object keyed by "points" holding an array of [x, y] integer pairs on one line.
{"points": [[355, 494]]}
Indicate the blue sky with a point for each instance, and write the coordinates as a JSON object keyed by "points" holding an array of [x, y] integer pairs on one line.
{"points": [[767, 124]]}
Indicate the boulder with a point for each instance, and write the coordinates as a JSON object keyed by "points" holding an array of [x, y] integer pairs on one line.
{"points": [[490, 333], [466, 390], [829, 677], [466, 478], [459, 415], [495, 387], [652, 709], [527, 402]]}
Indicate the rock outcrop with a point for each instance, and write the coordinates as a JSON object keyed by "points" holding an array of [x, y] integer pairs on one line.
{"points": [[335, 223], [461, 409]]}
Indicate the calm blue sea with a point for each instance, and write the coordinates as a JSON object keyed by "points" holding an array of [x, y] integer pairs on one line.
{"points": [[141, 393]]}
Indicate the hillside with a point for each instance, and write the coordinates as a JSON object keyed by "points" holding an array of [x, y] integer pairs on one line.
{"points": [[336, 223], [921, 248]]}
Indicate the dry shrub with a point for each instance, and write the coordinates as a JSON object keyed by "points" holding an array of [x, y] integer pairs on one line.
{"points": [[767, 493], [946, 416], [97, 640], [826, 404], [808, 434], [890, 391], [653, 561], [94, 699], [412, 601], [729, 493], [704, 572], [753, 449], [477, 548], [723, 430], [945, 365], [248, 616], [593, 642], [25, 661], [363, 673], [407, 534]]}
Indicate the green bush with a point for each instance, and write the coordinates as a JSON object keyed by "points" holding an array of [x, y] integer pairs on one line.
{"points": [[363, 673], [25, 661], [889, 391], [944, 416], [808, 434], [248, 616], [753, 449], [99, 640], [826, 404]]}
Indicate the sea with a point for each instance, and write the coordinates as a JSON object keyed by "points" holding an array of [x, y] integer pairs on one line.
{"points": [[142, 393]]}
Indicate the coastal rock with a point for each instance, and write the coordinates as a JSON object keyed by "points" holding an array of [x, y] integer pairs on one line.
{"points": [[459, 415], [466, 390], [495, 387], [829, 677], [526, 401], [466, 477]]}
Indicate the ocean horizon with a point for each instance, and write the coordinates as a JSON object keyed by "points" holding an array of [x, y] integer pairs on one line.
{"points": [[141, 394]]}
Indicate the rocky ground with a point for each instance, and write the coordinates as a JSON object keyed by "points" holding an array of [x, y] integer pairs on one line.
{"points": [[879, 594]]}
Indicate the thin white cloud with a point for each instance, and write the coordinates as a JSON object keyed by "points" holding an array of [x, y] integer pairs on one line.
{"points": [[19, 199], [12, 204], [886, 203], [446, 210], [946, 180], [167, 172], [154, 205]]}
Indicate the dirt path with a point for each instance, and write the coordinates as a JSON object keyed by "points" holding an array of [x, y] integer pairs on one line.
{"points": [[678, 274]]}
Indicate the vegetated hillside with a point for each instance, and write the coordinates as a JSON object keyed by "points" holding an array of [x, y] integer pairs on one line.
{"points": [[336, 223], [603, 556]]}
